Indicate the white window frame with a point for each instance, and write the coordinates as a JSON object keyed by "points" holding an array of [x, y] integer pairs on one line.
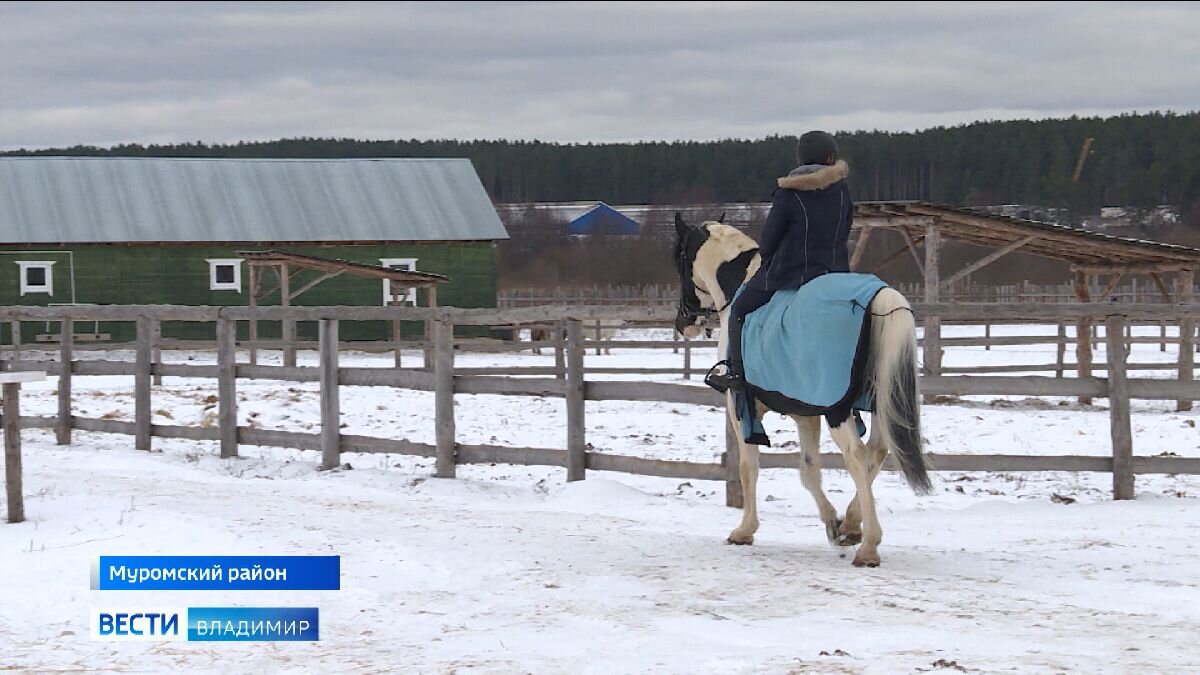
{"points": [[409, 264], [47, 265], [214, 285]]}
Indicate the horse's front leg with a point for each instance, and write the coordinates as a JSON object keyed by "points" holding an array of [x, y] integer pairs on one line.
{"points": [[748, 471], [809, 429]]}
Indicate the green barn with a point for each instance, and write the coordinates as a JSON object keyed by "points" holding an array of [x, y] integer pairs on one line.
{"points": [[118, 230]]}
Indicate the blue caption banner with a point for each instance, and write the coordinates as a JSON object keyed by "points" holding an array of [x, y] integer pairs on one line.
{"points": [[213, 573], [253, 624]]}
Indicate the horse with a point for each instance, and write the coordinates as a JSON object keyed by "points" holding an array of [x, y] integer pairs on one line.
{"points": [[713, 261], [542, 333]]}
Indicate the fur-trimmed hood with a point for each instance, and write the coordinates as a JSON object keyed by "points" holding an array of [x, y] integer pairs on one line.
{"points": [[815, 177]]}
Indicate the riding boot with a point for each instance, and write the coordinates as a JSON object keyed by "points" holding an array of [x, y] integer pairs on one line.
{"points": [[732, 377]]}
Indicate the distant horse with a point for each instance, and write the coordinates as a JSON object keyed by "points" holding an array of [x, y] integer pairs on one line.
{"points": [[709, 259], [546, 334]]}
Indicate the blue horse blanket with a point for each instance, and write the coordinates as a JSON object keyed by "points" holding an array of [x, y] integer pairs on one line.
{"points": [[805, 351]]}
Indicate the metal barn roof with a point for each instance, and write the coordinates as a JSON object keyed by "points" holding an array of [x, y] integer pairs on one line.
{"points": [[125, 199]]}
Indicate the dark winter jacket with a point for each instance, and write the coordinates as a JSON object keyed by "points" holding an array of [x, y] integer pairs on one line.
{"points": [[806, 230]]}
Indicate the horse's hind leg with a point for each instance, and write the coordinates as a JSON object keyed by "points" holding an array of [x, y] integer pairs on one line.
{"points": [[850, 532], [860, 461], [809, 429], [748, 472]]}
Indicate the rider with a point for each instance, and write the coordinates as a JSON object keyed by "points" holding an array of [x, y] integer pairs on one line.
{"points": [[803, 237]]}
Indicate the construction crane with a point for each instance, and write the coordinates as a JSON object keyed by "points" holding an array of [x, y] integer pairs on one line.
{"points": [[1083, 153]]}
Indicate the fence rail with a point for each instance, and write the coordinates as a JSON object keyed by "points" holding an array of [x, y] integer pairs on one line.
{"points": [[960, 291], [445, 381]]}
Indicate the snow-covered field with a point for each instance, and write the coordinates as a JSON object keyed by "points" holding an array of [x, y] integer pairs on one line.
{"points": [[509, 569]]}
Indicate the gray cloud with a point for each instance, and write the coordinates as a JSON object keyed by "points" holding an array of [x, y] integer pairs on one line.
{"points": [[104, 73]]}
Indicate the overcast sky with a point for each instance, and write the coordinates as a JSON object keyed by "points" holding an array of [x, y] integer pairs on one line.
{"points": [[105, 73]]}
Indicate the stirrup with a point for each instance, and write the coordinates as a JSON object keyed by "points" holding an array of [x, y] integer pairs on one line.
{"points": [[724, 381]]}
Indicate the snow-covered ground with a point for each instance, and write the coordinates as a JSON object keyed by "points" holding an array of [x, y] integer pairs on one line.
{"points": [[509, 569]]}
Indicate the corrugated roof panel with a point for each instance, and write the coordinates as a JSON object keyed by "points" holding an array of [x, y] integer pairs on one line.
{"points": [[127, 199]]}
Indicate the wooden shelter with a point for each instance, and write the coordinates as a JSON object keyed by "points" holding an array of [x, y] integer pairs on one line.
{"points": [[167, 230], [1091, 256], [289, 266]]}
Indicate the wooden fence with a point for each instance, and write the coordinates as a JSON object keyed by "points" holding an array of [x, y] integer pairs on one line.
{"points": [[445, 381], [960, 291]]}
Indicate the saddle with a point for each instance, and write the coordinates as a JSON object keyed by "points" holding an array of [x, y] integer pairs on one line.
{"points": [[805, 352]]}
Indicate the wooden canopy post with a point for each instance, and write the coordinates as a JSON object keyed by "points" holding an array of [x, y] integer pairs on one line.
{"points": [[1187, 334], [394, 301], [289, 326], [253, 271], [288, 265], [933, 324], [860, 247], [1083, 335]]}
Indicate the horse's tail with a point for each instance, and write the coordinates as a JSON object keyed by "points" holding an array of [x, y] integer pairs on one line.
{"points": [[894, 371]]}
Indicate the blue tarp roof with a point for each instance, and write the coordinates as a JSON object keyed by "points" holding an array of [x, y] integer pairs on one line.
{"points": [[604, 219]]}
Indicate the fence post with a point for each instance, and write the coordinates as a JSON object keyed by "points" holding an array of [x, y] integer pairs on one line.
{"points": [[331, 419], [427, 355], [443, 374], [1061, 359], [560, 357], [227, 386], [1162, 335], [156, 353], [599, 337], [396, 339], [987, 336], [1187, 335], [12, 452], [1083, 336], [1118, 404], [15, 327], [141, 386], [734, 497], [62, 427], [687, 359], [576, 428]]}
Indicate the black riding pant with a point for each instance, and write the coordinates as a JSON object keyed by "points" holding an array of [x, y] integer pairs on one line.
{"points": [[747, 301]]}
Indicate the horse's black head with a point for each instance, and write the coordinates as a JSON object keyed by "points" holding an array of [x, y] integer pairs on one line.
{"points": [[688, 241]]}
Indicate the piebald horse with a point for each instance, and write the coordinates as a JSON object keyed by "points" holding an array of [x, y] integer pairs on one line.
{"points": [[713, 261]]}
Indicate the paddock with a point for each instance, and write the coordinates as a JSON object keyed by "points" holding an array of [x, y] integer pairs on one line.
{"points": [[512, 567]]}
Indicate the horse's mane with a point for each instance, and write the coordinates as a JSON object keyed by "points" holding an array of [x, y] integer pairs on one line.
{"points": [[729, 236]]}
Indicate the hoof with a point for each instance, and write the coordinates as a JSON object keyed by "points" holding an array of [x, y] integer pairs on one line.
{"points": [[849, 539], [861, 560], [831, 530], [739, 540]]}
